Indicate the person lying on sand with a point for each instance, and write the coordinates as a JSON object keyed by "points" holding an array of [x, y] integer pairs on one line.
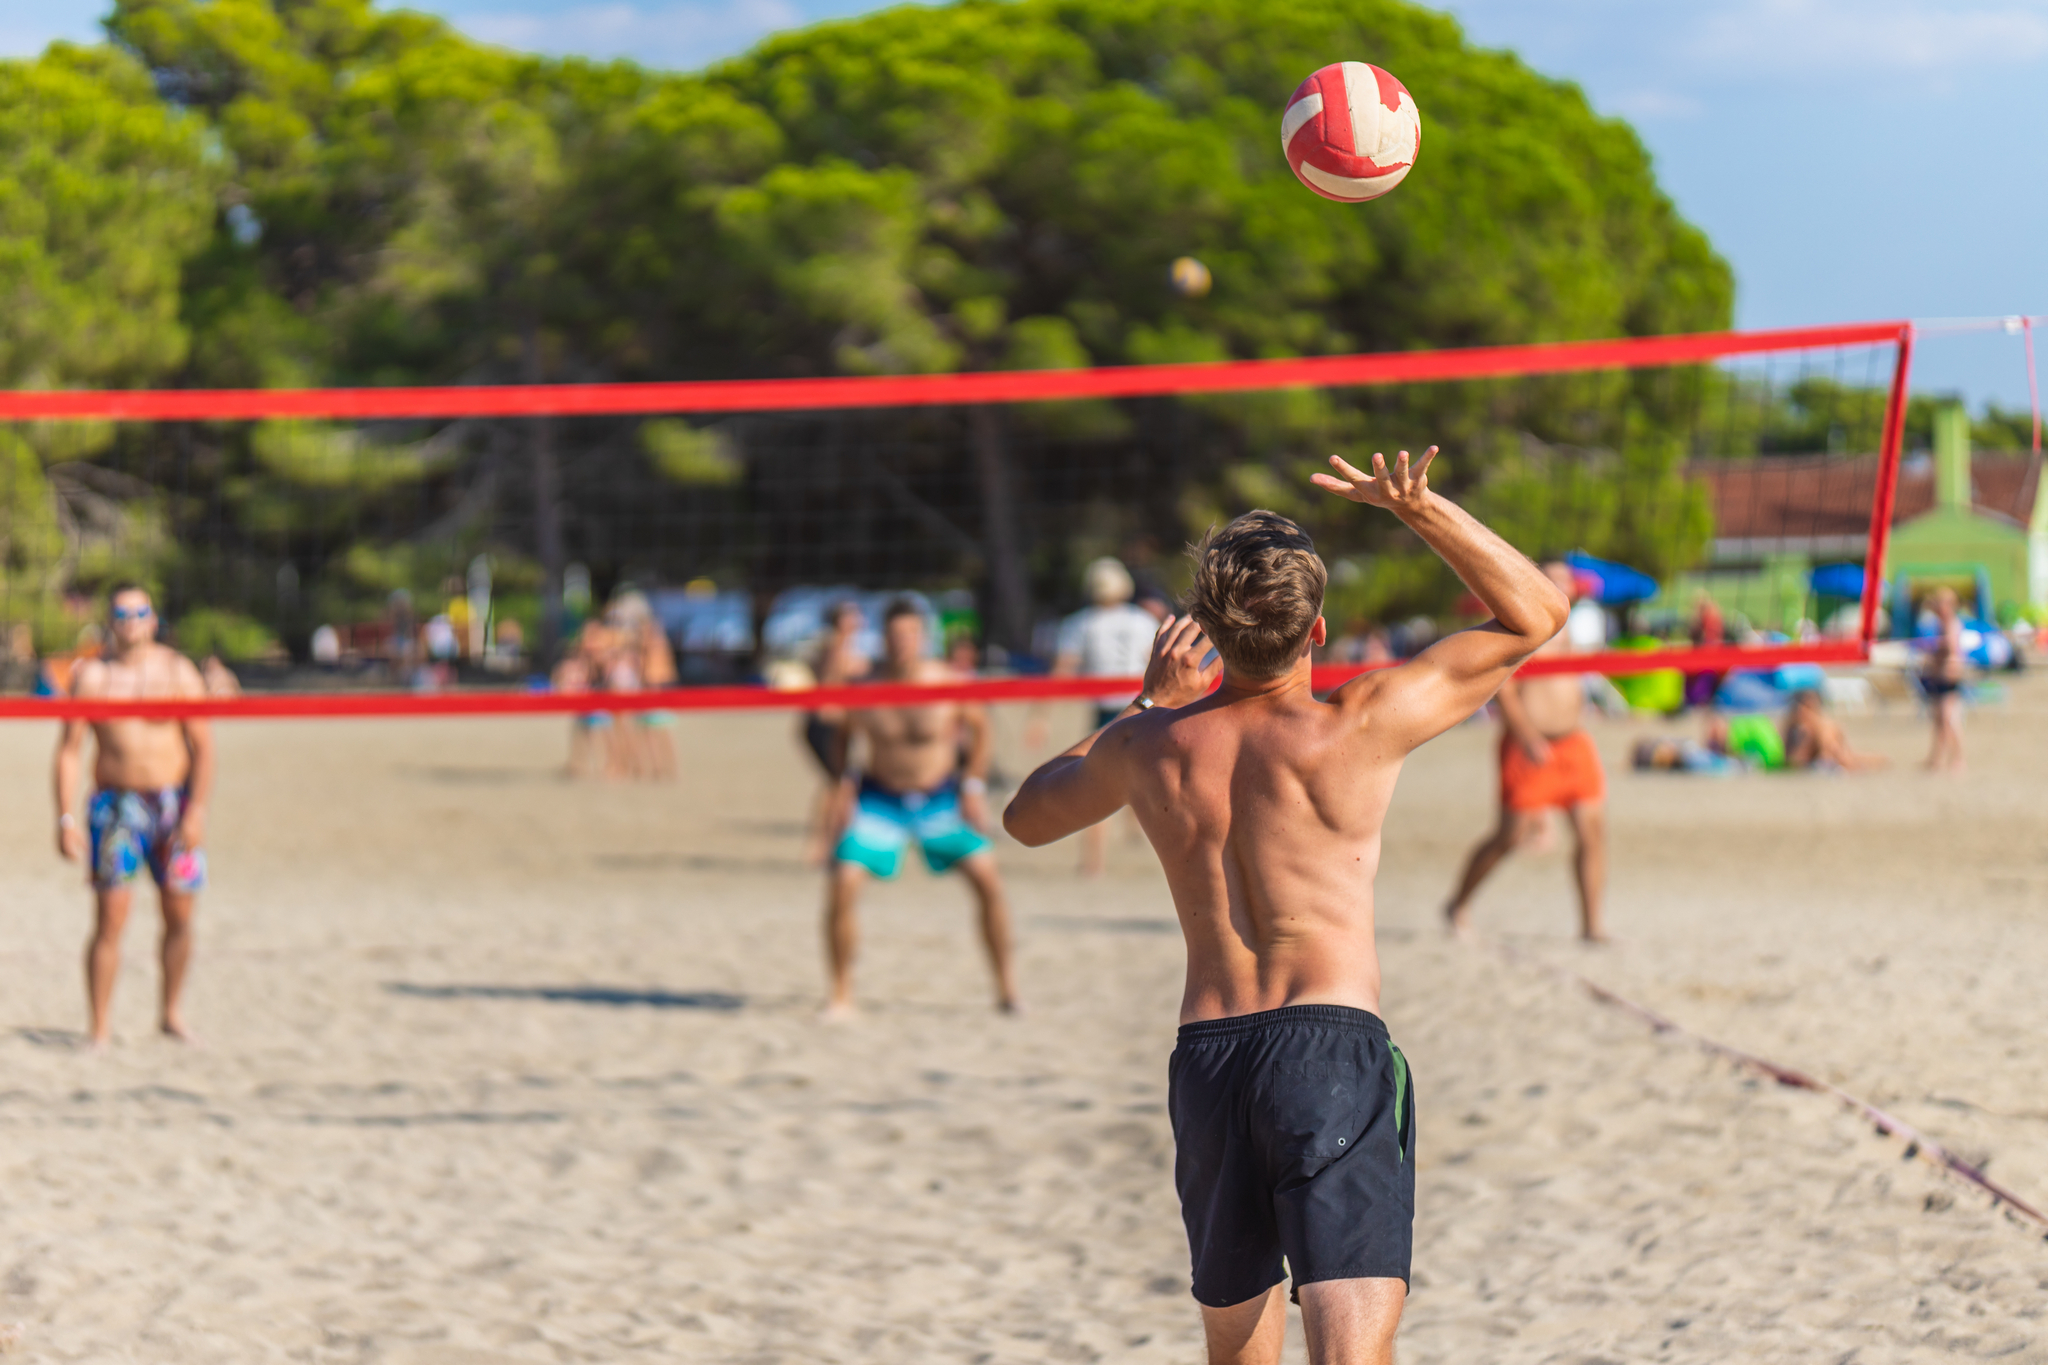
{"points": [[1810, 739]]}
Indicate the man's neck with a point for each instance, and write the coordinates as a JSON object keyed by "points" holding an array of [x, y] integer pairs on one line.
{"points": [[131, 654], [1235, 688]]}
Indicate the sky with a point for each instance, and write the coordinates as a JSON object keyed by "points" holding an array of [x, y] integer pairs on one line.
{"points": [[1853, 159]]}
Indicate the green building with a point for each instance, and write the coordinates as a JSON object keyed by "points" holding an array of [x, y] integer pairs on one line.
{"points": [[1986, 519], [1959, 519]]}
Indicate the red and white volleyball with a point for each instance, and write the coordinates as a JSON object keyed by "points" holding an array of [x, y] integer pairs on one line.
{"points": [[1351, 132]]}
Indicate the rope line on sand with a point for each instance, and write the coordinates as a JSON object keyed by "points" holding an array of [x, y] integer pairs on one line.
{"points": [[1918, 1144]]}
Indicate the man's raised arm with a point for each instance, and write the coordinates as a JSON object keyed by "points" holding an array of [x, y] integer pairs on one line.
{"points": [[1454, 677]]}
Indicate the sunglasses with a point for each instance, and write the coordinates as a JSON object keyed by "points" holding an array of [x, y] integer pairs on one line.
{"points": [[133, 613]]}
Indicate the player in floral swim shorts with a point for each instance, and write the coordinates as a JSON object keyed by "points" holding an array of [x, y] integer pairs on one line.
{"points": [[147, 811], [134, 830]]}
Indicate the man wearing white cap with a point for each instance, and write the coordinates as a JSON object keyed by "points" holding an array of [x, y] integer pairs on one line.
{"points": [[1110, 639]]}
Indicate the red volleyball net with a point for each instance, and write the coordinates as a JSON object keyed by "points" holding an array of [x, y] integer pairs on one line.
{"points": [[424, 551]]}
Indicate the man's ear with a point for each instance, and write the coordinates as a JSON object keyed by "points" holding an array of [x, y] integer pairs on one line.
{"points": [[1319, 633]]}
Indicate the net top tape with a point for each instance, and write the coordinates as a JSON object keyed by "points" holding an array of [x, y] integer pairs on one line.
{"points": [[924, 390], [339, 705]]}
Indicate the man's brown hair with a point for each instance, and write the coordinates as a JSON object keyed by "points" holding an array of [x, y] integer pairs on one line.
{"points": [[1258, 590]]}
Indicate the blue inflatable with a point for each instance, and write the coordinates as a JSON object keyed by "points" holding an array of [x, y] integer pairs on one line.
{"points": [[1837, 580], [1619, 584]]}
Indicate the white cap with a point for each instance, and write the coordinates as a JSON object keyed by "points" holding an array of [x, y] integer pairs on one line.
{"points": [[1107, 582]]}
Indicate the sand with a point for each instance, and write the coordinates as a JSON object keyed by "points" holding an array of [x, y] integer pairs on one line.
{"points": [[500, 1068]]}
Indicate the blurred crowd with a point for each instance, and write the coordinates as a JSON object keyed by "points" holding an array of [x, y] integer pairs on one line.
{"points": [[619, 654], [23, 671]]}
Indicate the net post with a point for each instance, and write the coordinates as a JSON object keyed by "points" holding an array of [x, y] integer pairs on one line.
{"points": [[1885, 494], [2033, 383]]}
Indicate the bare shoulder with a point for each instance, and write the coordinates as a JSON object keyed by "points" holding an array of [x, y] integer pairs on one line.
{"points": [[185, 678], [89, 678], [1407, 699], [1137, 739], [1359, 698]]}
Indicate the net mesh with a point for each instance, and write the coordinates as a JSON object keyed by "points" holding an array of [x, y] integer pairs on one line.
{"points": [[468, 551]]}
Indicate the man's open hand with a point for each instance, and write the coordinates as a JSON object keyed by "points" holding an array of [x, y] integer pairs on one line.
{"points": [[1398, 489], [1182, 669]]}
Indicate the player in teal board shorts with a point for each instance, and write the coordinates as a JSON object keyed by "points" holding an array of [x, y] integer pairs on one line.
{"points": [[914, 787]]}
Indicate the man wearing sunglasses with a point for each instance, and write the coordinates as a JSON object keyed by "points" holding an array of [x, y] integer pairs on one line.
{"points": [[151, 781]]}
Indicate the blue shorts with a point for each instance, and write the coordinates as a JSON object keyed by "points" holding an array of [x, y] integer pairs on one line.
{"points": [[884, 822], [136, 830]]}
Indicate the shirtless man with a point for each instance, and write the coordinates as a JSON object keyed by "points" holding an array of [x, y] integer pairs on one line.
{"points": [[1291, 1110], [914, 791], [1547, 761], [151, 782]]}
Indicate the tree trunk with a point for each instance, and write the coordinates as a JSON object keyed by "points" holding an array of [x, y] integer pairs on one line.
{"points": [[1009, 588], [547, 514]]}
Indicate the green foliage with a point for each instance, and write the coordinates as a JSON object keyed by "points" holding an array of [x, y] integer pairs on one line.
{"points": [[314, 455], [275, 192], [32, 543], [1631, 505], [2002, 429], [698, 457], [104, 192], [234, 637]]}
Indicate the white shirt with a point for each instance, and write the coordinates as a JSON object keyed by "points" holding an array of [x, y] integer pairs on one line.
{"points": [[1109, 642], [1586, 627]]}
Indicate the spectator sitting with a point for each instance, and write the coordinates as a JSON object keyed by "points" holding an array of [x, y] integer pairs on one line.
{"points": [[1814, 739]]}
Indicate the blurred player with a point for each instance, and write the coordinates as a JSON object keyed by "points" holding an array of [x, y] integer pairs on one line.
{"points": [[839, 662], [1941, 679], [151, 783], [1291, 1109], [573, 676], [1547, 762], [654, 659], [1110, 638], [915, 790]]}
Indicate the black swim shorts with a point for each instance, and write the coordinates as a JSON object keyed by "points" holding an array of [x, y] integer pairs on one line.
{"points": [[1294, 1132]]}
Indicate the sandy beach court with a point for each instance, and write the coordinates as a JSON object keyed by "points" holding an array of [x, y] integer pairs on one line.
{"points": [[498, 1068]]}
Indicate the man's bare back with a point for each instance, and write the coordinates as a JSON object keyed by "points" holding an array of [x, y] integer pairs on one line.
{"points": [[1264, 804], [1265, 809]]}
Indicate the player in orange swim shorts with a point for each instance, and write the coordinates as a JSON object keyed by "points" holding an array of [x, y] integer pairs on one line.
{"points": [[1547, 762]]}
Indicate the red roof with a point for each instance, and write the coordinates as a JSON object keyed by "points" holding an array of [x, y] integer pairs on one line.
{"points": [[1828, 497]]}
